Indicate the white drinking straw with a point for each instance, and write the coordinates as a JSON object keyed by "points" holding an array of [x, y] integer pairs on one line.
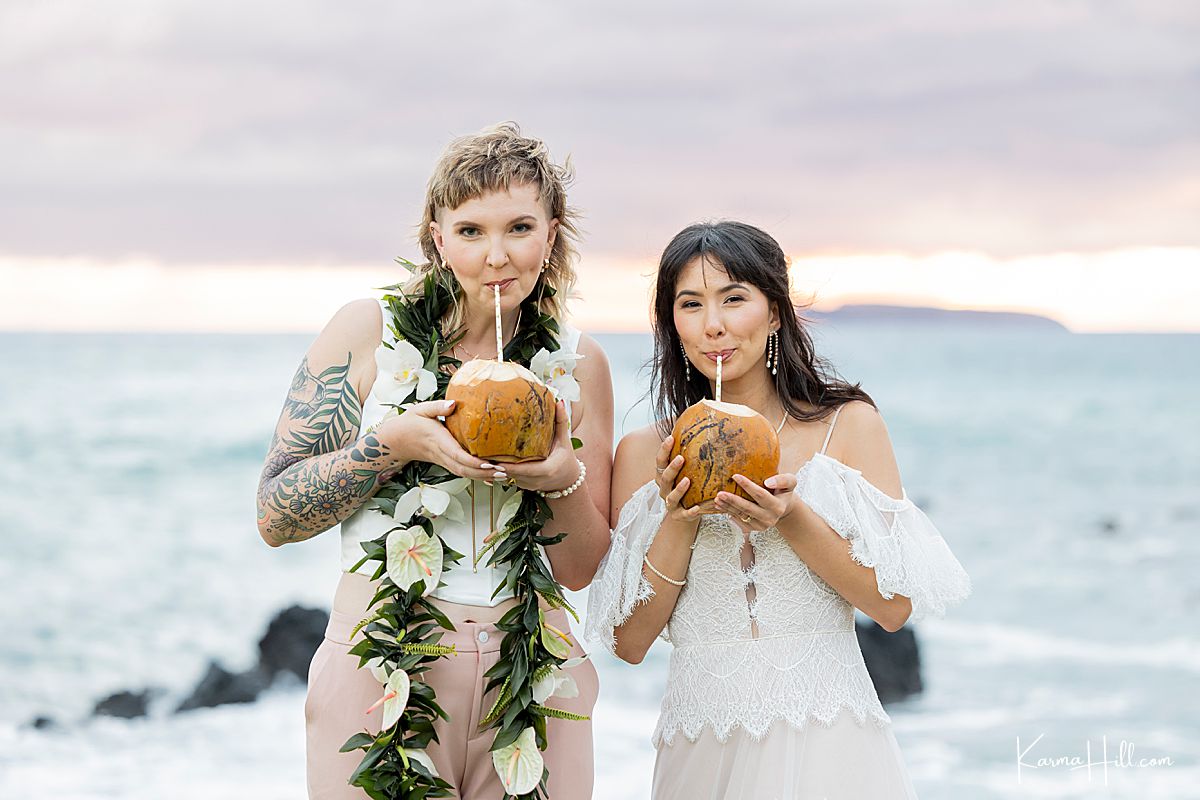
{"points": [[719, 379], [499, 337]]}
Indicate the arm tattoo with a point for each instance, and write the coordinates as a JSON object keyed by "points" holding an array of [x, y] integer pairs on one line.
{"points": [[315, 473]]}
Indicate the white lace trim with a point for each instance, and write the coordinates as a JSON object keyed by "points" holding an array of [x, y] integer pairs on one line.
{"points": [[619, 585], [753, 683], [893, 537]]}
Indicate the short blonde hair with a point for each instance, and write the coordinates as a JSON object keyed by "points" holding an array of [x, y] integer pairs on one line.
{"points": [[491, 161]]}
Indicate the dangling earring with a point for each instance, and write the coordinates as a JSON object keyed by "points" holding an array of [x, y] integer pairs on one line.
{"points": [[773, 352], [545, 264], [687, 365]]}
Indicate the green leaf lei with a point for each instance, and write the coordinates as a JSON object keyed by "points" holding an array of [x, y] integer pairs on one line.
{"points": [[403, 628]]}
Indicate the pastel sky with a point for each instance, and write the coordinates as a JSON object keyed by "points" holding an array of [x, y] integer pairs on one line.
{"points": [[169, 164]]}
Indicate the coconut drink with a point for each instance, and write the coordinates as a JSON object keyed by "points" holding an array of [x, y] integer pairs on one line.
{"points": [[502, 412], [719, 440]]}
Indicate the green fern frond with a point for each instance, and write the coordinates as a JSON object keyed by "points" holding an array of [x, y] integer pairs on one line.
{"points": [[558, 713]]}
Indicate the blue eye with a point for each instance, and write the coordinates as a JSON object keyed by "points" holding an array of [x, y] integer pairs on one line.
{"points": [[468, 231], [522, 227]]}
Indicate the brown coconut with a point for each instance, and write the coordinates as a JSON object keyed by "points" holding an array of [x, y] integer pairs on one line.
{"points": [[718, 441], [503, 413]]}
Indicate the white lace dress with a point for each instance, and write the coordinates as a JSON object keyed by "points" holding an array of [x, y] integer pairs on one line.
{"points": [[767, 694]]}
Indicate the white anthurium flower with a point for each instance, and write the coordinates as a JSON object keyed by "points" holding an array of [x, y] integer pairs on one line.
{"points": [[432, 500], [422, 758], [556, 642], [379, 670], [400, 370], [555, 370], [395, 698], [557, 683], [413, 555], [520, 764], [509, 509]]}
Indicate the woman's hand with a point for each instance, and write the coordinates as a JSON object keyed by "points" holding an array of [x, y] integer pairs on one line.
{"points": [[556, 471], [418, 435], [666, 471], [766, 506]]}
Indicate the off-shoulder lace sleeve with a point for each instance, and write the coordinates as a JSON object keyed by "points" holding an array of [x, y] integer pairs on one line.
{"points": [[619, 584], [893, 537]]}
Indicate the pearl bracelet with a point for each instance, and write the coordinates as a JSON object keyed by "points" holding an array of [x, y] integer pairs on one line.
{"points": [[672, 581], [564, 492]]}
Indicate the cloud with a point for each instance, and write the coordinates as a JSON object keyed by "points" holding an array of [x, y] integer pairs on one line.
{"points": [[304, 132]]}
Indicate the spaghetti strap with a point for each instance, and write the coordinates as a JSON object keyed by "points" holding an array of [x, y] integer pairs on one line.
{"points": [[836, 411]]}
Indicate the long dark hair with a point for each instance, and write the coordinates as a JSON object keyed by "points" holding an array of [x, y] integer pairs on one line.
{"points": [[750, 256]]}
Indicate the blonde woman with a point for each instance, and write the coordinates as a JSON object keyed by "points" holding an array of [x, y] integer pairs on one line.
{"points": [[496, 216], [767, 695]]}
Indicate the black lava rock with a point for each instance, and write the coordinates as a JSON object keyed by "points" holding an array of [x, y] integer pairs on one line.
{"points": [[220, 686], [290, 641], [126, 705], [893, 660]]}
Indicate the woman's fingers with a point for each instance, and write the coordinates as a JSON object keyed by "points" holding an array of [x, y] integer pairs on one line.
{"points": [[782, 483], [432, 408], [672, 470], [664, 453], [758, 494], [459, 461], [738, 506], [465, 468], [562, 423], [676, 495]]}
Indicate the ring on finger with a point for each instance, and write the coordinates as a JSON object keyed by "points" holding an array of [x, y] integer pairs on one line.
{"points": [[745, 518]]}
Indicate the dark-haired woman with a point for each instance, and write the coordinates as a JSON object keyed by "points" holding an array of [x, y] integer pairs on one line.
{"points": [[767, 694]]}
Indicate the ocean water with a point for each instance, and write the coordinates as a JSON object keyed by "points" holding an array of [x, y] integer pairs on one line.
{"points": [[1064, 471]]}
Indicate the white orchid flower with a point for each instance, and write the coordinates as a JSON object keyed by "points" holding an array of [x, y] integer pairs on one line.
{"points": [[557, 683], [422, 758], [555, 370], [395, 698], [432, 500], [556, 642], [520, 764], [400, 369], [413, 555]]}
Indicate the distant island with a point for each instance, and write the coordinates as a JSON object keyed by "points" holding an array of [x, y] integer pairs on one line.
{"points": [[864, 313]]}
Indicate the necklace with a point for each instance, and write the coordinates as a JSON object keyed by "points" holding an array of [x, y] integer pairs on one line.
{"points": [[782, 422], [468, 352], [496, 357]]}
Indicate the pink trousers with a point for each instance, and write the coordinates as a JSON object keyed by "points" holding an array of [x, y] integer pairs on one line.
{"points": [[339, 694]]}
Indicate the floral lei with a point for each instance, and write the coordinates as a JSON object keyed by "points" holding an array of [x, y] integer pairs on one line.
{"points": [[401, 634]]}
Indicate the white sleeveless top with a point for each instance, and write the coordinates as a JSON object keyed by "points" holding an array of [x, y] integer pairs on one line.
{"points": [[804, 664], [464, 582]]}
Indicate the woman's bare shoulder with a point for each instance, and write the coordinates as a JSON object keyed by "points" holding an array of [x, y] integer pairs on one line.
{"points": [[594, 364], [642, 443], [864, 443], [350, 337], [633, 466]]}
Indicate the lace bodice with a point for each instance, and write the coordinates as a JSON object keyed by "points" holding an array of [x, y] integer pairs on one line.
{"points": [[773, 641]]}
